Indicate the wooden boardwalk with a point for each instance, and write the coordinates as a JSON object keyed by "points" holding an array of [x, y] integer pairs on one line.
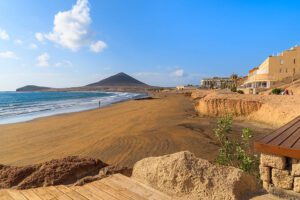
{"points": [[285, 141], [116, 187]]}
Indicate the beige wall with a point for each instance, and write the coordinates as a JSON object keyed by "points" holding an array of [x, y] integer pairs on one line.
{"points": [[286, 64], [275, 68]]}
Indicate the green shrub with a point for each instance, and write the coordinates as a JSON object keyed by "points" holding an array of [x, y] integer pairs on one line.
{"points": [[240, 91], [233, 89], [235, 153], [276, 91]]}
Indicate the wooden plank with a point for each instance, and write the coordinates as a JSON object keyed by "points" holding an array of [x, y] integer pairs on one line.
{"points": [[71, 193], [100, 192], [137, 187], [43, 194], [57, 193], [16, 194], [52, 190], [117, 194], [29, 194], [4, 195], [87, 193], [266, 197], [285, 135], [292, 140], [276, 150], [284, 142], [276, 133], [297, 143], [64, 197], [122, 190]]}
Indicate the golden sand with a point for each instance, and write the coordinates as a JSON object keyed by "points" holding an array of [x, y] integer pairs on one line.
{"points": [[119, 134]]}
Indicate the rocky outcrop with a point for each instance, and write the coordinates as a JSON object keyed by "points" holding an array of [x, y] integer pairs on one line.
{"points": [[60, 171], [188, 177]]}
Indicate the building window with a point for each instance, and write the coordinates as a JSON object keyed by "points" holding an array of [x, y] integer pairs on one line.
{"points": [[286, 70], [281, 61], [280, 70], [294, 60]]}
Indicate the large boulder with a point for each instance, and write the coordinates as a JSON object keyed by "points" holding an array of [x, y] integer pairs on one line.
{"points": [[188, 177]]}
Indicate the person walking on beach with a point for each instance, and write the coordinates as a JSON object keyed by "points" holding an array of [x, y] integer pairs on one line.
{"points": [[99, 104]]}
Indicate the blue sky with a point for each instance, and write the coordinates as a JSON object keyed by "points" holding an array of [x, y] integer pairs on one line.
{"points": [[171, 42]]}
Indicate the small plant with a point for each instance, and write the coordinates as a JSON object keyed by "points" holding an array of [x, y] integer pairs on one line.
{"points": [[240, 91], [235, 153], [276, 91], [233, 88]]}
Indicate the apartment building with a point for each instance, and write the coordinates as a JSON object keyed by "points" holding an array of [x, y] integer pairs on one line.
{"points": [[274, 68], [216, 82]]}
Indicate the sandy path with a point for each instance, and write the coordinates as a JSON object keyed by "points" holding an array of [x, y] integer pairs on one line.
{"points": [[120, 134]]}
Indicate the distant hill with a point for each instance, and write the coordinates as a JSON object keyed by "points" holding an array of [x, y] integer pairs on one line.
{"points": [[120, 82], [120, 79], [32, 88]]}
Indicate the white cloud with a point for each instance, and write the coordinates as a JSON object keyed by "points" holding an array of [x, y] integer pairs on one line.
{"points": [[8, 55], [71, 29], [32, 46], [178, 73], [64, 63], [43, 60], [98, 46], [3, 35], [39, 37], [18, 42]]}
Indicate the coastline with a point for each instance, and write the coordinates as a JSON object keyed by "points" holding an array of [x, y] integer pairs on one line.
{"points": [[121, 133], [71, 113], [35, 116]]}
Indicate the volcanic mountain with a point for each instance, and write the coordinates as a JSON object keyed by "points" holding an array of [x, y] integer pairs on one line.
{"points": [[120, 79], [120, 82]]}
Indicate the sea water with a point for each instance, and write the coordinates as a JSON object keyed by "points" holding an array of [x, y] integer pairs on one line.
{"points": [[24, 106]]}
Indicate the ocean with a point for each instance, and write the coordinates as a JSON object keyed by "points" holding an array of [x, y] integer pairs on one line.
{"points": [[24, 106]]}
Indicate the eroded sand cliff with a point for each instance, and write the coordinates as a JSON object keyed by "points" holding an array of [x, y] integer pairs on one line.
{"points": [[274, 110]]}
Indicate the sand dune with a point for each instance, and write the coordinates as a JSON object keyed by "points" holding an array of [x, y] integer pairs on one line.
{"points": [[119, 134]]}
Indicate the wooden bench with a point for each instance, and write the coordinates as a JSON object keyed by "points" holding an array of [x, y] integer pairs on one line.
{"points": [[285, 141]]}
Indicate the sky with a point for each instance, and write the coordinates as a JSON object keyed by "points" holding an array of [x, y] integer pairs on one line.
{"points": [[68, 43]]}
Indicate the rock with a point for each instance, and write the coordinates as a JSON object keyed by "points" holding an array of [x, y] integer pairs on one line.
{"points": [[295, 167], [265, 174], [88, 179], [115, 169], [186, 176], [60, 171], [266, 185], [12, 176], [282, 179], [297, 184], [105, 172], [278, 162]]}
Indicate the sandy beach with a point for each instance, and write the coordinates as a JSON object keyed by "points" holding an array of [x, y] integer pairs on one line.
{"points": [[119, 134]]}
